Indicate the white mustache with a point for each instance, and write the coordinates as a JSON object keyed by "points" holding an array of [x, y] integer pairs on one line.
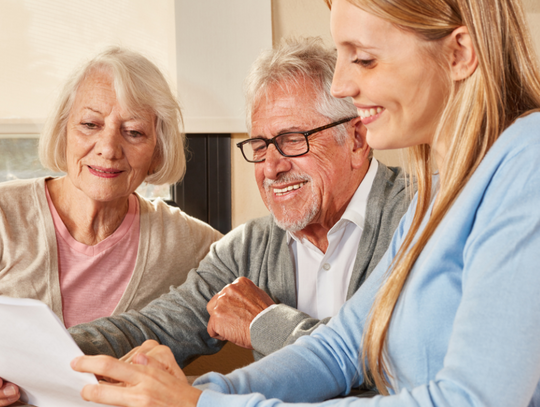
{"points": [[284, 179]]}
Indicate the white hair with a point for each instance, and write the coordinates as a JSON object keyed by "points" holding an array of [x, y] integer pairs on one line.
{"points": [[294, 62], [138, 83]]}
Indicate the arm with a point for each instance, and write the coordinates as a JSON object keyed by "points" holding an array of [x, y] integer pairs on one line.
{"points": [[281, 326], [177, 319]]}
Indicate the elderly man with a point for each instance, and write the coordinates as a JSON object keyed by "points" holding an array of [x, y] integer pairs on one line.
{"points": [[334, 210]]}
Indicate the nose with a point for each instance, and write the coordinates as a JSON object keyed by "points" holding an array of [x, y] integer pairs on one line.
{"points": [[109, 144], [343, 84], [275, 163]]}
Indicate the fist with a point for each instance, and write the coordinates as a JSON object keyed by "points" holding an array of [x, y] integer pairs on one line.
{"points": [[232, 310]]}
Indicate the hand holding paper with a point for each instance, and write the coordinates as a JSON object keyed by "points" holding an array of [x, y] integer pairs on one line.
{"points": [[151, 376]]}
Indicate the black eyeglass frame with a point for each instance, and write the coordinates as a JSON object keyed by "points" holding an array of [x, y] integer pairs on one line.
{"points": [[272, 140]]}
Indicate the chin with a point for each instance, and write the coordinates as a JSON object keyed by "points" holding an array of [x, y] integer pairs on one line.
{"points": [[382, 142], [294, 223]]}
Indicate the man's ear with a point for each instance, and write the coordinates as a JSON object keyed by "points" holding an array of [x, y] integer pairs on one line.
{"points": [[463, 59], [360, 147]]}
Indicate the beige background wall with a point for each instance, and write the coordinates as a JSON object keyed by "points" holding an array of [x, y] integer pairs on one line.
{"points": [[311, 18]]}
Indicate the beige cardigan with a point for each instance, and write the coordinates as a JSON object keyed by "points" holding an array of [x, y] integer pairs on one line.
{"points": [[171, 244]]}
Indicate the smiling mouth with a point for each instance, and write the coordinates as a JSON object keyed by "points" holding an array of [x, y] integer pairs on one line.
{"points": [[283, 191], [365, 113], [104, 171]]}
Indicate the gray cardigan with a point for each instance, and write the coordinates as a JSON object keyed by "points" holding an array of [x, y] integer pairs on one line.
{"points": [[259, 251]]}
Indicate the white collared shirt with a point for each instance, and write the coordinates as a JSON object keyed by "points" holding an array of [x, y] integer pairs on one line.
{"points": [[322, 279]]}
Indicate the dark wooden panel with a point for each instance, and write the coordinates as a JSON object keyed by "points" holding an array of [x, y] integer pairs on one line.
{"points": [[219, 182], [205, 192]]}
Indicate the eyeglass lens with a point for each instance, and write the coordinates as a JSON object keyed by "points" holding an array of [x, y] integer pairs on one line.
{"points": [[290, 144]]}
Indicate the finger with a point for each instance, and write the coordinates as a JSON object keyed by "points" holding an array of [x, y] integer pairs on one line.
{"points": [[162, 356], [156, 364], [146, 347], [107, 366], [108, 394], [210, 328], [127, 357], [9, 393], [212, 303], [212, 331]]}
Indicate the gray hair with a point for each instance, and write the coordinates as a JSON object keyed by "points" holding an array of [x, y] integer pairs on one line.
{"points": [[294, 61], [138, 83]]}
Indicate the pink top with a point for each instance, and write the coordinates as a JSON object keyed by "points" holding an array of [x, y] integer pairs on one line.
{"points": [[94, 278]]}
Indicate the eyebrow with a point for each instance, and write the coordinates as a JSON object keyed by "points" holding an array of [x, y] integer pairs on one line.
{"points": [[293, 129], [93, 110], [358, 44], [134, 118]]}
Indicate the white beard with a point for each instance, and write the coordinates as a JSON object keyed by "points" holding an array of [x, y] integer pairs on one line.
{"points": [[289, 221]]}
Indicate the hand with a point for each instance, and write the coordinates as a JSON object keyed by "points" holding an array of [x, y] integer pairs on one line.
{"points": [[148, 347], [161, 355], [9, 393], [153, 378], [232, 310]]}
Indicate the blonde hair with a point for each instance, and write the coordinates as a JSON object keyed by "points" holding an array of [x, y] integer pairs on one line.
{"points": [[505, 86], [138, 83]]}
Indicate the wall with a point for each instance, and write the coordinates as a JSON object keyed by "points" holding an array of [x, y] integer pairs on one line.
{"points": [[43, 41]]}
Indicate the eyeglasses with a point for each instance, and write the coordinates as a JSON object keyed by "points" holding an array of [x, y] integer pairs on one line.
{"points": [[288, 144]]}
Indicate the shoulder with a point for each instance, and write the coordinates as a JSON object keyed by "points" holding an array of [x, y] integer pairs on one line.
{"points": [[392, 186], [160, 210], [516, 151], [171, 224], [256, 232], [22, 185], [15, 194], [520, 135]]}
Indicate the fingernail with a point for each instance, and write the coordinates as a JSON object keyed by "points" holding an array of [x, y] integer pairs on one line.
{"points": [[140, 359], [10, 391], [74, 362]]}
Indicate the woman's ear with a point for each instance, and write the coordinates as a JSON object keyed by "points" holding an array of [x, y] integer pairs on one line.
{"points": [[463, 60], [360, 147]]}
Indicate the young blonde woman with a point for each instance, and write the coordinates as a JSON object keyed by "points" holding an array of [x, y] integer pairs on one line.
{"points": [[451, 317]]}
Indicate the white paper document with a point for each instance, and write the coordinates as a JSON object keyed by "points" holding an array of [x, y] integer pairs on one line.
{"points": [[35, 353]]}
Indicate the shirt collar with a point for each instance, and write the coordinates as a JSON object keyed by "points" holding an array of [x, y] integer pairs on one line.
{"points": [[356, 209]]}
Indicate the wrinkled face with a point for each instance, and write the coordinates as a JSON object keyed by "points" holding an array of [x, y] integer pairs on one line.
{"points": [[398, 90], [301, 190], [109, 151]]}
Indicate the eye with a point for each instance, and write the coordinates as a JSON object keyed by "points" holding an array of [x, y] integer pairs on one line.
{"points": [[365, 63], [89, 125], [134, 133]]}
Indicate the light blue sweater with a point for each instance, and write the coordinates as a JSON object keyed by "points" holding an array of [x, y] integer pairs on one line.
{"points": [[466, 328]]}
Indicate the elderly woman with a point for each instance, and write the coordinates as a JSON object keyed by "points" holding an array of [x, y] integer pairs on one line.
{"points": [[86, 244]]}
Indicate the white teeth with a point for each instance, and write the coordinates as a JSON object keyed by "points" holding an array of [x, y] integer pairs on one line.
{"points": [[289, 188], [105, 172], [363, 113]]}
